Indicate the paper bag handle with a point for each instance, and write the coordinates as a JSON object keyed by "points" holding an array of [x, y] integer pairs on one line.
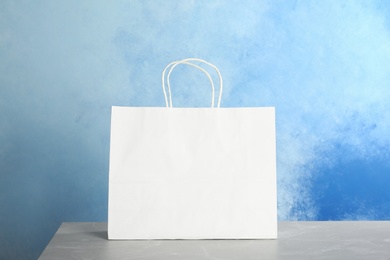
{"points": [[172, 65]]}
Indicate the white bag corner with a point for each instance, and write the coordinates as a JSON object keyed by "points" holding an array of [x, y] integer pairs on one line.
{"points": [[192, 173]]}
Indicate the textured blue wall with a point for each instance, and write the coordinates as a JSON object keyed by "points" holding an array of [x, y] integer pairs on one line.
{"points": [[324, 65]]}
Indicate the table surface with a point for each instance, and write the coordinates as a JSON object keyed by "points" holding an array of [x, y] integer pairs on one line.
{"points": [[296, 240]]}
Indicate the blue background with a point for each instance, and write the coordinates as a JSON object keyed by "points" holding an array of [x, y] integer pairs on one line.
{"points": [[324, 65]]}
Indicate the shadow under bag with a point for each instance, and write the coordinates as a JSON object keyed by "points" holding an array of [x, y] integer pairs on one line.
{"points": [[192, 173]]}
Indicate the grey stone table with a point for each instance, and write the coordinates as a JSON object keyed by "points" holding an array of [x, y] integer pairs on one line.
{"points": [[297, 240]]}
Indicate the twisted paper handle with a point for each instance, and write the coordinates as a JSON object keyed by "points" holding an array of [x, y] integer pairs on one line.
{"points": [[172, 65]]}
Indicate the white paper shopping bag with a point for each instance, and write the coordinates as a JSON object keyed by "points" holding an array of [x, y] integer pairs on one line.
{"points": [[192, 173]]}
